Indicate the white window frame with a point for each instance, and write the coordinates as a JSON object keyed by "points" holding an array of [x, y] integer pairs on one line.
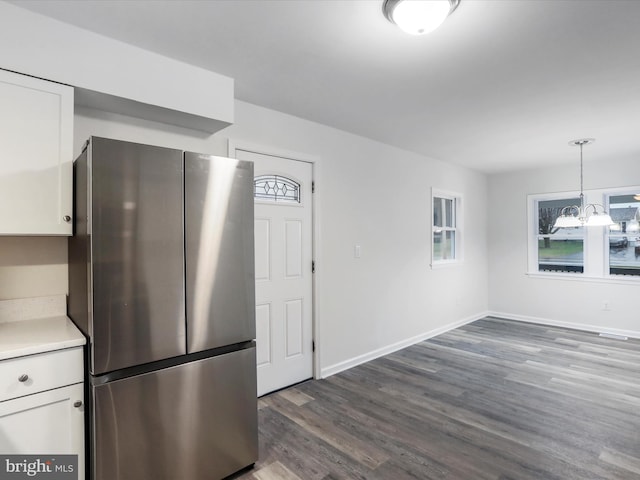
{"points": [[458, 221], [614, 192], [596, 239], [534, 235]]}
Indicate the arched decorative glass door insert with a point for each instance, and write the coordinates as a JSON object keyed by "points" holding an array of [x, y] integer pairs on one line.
{"points": [[276, 188]]}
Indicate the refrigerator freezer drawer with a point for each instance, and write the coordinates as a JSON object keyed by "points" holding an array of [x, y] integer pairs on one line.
{"points": [[195, 421], [219, 251]]}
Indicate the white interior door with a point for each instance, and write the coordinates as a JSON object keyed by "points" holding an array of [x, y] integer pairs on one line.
{"points": [[283, 239]]}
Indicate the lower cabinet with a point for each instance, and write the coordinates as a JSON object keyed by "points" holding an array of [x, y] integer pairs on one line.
{"points": [[49, 422]]}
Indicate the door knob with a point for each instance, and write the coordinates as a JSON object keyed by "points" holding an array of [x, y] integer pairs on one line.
{"points": [[77, 404], [66, 218], [23, 378]]}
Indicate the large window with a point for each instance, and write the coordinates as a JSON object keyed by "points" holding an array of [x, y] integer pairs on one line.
{"points": [[446, 228], [611, 253], [624, 237], [559, 249]]}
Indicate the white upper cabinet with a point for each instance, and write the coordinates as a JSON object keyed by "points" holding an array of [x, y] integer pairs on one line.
{"points": [[36, 156]]}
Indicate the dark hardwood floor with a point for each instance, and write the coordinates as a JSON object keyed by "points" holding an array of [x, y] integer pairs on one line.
{"points": [[494, 399]]}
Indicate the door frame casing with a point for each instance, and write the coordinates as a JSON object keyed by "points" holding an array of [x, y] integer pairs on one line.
{"points": [[233, 145]]}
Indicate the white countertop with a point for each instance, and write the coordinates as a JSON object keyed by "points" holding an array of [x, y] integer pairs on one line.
{"points": [[39, 335]]}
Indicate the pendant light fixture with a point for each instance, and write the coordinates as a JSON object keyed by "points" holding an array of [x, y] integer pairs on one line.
{"points": [[580, 215], [418, 17]]}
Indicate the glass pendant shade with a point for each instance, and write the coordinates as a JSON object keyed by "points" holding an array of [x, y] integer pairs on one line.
{"points": [[567, 221], [600, 220]]}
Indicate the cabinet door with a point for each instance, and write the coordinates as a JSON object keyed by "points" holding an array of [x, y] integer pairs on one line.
{"points": [[36, 156], [45, 423]]}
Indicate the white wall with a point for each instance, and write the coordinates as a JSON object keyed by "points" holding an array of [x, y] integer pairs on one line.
{"points": [[378, 197], [572, 303], [125, 76]]}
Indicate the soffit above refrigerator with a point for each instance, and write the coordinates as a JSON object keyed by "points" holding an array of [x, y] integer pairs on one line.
{"points": [[114, 76]]}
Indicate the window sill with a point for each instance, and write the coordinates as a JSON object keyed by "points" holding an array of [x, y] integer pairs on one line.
{"points": [[449, 264], [579, 277]]}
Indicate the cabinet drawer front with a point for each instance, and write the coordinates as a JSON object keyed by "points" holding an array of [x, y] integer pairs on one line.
{"points": [[37, 373]]}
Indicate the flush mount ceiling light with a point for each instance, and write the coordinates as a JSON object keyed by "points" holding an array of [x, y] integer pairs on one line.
{"points": [[579, 215], [418, 17]]}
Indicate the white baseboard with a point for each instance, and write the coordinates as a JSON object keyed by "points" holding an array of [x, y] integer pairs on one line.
{"points": [[394, 347], [571, 325]]}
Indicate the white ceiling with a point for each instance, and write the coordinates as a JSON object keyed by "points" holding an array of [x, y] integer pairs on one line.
{"points": [[502, 85]]}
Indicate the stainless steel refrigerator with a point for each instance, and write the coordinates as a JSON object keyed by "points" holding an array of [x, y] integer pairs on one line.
{"points": [[161, 281]]}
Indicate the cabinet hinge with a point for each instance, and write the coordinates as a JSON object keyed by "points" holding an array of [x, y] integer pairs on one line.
{"points": [[313, 345], [313, 266], [313, 187]]}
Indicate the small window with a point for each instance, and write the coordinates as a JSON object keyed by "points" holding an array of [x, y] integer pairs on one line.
{"points": [[276, 188], [559, 249], [624, 236], [446, 228]]}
